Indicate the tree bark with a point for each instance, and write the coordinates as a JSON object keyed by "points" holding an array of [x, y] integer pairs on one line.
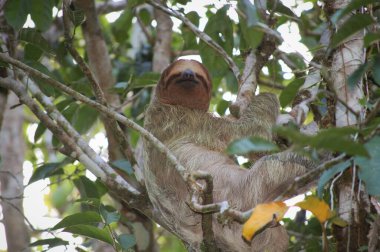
{"points": [[345, 60], [12, 151], [100, 64]]}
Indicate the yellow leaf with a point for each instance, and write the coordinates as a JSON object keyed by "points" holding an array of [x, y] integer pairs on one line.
{"points": [[317, 206], [261, 216]]}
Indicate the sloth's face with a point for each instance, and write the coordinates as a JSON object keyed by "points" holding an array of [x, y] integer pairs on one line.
{"points": [[186, 83]]}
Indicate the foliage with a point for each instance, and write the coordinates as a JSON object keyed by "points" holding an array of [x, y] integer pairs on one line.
{"points": [[86, 203]]}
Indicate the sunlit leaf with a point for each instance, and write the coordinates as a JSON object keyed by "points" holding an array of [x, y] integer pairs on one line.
{"points": [[262, 215], [339, 221], [317, 206], [354, 24], [369, 168], [331, 172], [127, 241], [88, 217], [91, 232], [252, 144]]}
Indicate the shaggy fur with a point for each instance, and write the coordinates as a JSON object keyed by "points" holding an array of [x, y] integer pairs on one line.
{"points": [[199, 139]]}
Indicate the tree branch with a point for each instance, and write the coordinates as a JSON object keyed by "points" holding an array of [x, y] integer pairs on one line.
{"points": [[203, 36], [68, 136], [120, 118]]}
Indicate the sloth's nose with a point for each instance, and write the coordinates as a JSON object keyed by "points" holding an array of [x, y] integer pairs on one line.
{"points": [[188, 74]]}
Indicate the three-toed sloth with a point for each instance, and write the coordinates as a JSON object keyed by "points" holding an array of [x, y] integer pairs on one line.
{"points": [[178, 117]]}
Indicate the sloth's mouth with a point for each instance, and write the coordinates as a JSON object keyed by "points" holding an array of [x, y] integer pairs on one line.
{"points": [[187, 81]]}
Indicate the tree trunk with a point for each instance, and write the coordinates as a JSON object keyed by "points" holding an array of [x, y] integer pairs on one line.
{"points": [[12, 151], [345, 60], [101, 66]]}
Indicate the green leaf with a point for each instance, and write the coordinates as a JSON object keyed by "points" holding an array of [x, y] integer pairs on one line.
{"points": [[127, 241], [88, 188], [122, 25], [376, 69], [145, 17], [41, 13], [32, 52], [109, 214], [290, 91], [280, 8], [251, 36], [369, 168], [331, 172], [133, 3], [354, 24], [334, 139], [357, 75], [41, 128], [46, 88], [45, 171], [84, 118], [31, 35], [91, 232], [145, 80], [189, 38], [353, 5], [52, 242], [250, 12], [252, 144], [339, 221], [222, 107], [16, 12], [370, 38], [220, 28], [124, 165], [88, 217]]}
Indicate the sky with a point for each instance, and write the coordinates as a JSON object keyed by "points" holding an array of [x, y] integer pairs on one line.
{"points": [[34, 202]]}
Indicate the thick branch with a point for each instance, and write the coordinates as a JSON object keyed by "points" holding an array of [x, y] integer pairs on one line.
{"points": [[71, 138]]}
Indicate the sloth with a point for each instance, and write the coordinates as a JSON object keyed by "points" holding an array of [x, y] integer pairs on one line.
{"points": [[178, 116]]}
